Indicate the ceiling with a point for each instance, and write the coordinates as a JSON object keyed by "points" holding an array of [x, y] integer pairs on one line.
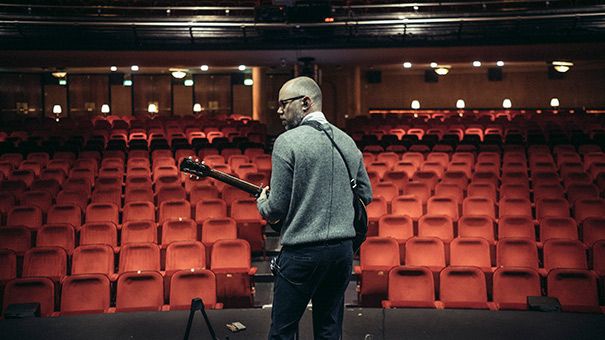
{"points": [[190, 33]]}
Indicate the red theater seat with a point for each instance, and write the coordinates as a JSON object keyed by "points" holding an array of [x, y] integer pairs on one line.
{"points": [[181, 255], [410, 287], [77, 198], [439, 205], [27, 216], [16, 238], [184, 229], [85, 293], [138, 211], [516, 227], [231, 263], [56, 235], [99, 233], [214, 229], [102, 212], [425, 251], [41, 199], [586, 208], [515, 207], [31, 290], [409, 205], [440, 226], [593, 230], [463, 287], [48, 262], [8, 265], [517, 252], [512, 286], [188, 284], [562, 253], [482, 190], [467, 251], [575, 289], [93, 259], [174, 210], [377, 256], [139, 291], [250, 224], [143, 231], [558, 228], [139, 257], [65, 213]]}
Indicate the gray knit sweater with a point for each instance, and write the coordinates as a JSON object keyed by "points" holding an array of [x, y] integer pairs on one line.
{"points": [[310, 190]]}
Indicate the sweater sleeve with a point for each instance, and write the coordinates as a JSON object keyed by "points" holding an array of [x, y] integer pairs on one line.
{"points": [[277, 205], [364, 187]]}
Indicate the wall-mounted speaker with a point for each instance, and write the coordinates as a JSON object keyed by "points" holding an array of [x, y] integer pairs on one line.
{"points": [[430, 76], [494, 74], [373, 77]]}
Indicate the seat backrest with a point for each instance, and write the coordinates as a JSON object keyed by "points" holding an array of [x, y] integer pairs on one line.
{"points": [[8, 265], [558, 227], [409, 205], [379, 253], [56, 235], [185, 255], [585, 208], [465, 285], [476, 226], [139, 257], [31, 290], [515, 207], [214, 229], [45, 262], [516, 227], [93, 259], [102, 212], [245, 210], [188, 284], [575, 289], [562, 253], [138, 211], [99, 233], [210, 208], [411, 284], [396, 226], [593, 230], [440, 226], [184, 229], [174, 209], [139, 232], [466, 251], [440, 205], [517, 252], [96, 288], [425, 251], [513, 285], [231, 255], [28, 216], [140, 291], [65, 213], [16, 238]]}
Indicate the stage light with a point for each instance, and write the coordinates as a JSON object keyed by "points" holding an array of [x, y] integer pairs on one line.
{"points": [[113, 68], [204, 68], [433, 64], [134, 68], [59, 74], [415, 104], [460, 104], [127, 82], [407, 64], [506, 103], [248, 82], [188, 82], [554, 102], [499, 63], [241, 67], [62, 82], [476, 63]]}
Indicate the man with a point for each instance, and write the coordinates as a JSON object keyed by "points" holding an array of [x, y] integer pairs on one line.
{"points": [[312, 197]]}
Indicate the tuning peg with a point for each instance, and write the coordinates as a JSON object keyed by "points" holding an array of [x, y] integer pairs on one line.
{"points": [[197, 177], [190, 176], [197, 159], [190, 157]]}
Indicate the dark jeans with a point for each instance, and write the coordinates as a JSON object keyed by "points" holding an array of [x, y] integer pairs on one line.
{"points": [[319, 273]]}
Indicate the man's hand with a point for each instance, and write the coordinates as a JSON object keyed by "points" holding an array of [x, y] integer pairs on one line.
{"points": [[264, 194]]}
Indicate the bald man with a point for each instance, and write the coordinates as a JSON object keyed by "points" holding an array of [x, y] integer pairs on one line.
{"points": [[311, 195]]}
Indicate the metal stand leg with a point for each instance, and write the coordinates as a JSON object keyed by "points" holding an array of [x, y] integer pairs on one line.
{"points": [[198, 304]]}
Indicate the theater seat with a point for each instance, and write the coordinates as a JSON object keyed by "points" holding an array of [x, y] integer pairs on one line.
{"points": [[85, 293], [31, 290], [575, 289], [188, 284], [512, 286], [50, 262], [8, 265], [93, 259], [425, 251], [139, 257], [231, 263], [377, 256], [410, 287], [139, 291], [462, 287]]}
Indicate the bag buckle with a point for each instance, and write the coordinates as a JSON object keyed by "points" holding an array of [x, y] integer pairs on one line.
{"points": [[353, 183]]}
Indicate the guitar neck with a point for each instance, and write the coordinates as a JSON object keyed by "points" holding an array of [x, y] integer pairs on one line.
{"points": [[236, 182]]}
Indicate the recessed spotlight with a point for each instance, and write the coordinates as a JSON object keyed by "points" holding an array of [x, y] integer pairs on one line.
{"points": [[204, 67], [407, 64], [433, 64], [241, 67], [134, 68], [499, 63], [113, 68], [476, 63]]}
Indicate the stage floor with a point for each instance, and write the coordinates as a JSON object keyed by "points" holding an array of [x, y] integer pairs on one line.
{"points": [[358, 324]]}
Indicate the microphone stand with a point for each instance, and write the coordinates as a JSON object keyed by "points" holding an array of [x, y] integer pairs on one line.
{"points": [[198, 304]]}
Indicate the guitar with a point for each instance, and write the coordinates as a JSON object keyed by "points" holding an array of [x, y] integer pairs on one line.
{"points": [[199, 170]]}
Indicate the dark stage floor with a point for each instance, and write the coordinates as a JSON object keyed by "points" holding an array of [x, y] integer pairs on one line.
{"points": [[378, 323]]}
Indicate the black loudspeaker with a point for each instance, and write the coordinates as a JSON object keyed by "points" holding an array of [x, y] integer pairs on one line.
{"points": [[116, 79], [22, 310], [554, 74], [237, 79], [430, 76], [494, 74], [373, 77]]}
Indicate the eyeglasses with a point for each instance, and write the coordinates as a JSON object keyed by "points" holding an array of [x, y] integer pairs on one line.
{"points": [[284, 102]]}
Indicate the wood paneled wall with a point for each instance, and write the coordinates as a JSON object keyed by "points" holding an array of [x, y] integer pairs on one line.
{"points": [[87, 93], [152, 89], [20, 88]]}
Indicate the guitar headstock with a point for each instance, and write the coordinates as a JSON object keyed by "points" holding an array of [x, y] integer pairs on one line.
{"points": [[195, 167]]}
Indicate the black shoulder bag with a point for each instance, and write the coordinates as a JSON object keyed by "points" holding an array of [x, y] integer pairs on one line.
{"points": [[360, 221]]}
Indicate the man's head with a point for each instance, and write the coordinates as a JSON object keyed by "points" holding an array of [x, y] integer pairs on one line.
{"points": [[297, 98]]}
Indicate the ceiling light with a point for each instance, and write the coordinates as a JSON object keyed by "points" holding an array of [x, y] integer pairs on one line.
{"points": [[197, 107], [104, 108], [506, 103], [433, 64], [204, 67], [248, 82], [442, 69], [134, 68], [57, 109], [59, 74], [188, 82], [554, 102], [241, 67], [499, 63], [415, 8], [415, 104], [113, 68], [407, 64], [460, 104], [476, 63], [152, 108], [562, 66], [178, 74]]}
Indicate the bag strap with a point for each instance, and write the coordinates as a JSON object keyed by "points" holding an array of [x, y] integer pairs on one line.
{"points": [[317, 125]]}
